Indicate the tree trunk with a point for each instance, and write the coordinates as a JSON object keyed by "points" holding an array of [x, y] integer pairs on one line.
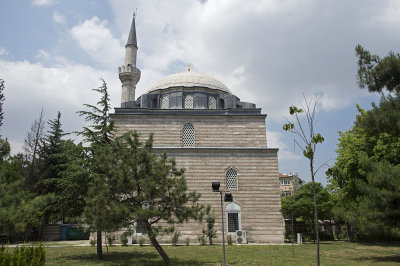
{"points": [[347, 232], [315, 208], [155, 243], [99, 246]]}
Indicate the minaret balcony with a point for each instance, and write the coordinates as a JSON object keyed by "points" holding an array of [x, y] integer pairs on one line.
{"points": [[128, 69]]}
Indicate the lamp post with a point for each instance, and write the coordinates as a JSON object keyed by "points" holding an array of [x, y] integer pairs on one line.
{"points": [[228, 198]]}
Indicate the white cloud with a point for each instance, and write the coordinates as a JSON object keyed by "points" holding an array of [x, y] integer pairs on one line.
{"points": [[42, 54], [275, 140], [58, 18], [96, 39], [43, 2], [63, 87], [266, 52], [390, 14], [3, 51]]}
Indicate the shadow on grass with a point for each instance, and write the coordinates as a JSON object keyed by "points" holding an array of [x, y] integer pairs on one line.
{"points": [[375, 259], [381, 244], [127, 258]]}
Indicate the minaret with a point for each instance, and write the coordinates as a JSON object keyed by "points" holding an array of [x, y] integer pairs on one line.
{"points": [[128, 73]]}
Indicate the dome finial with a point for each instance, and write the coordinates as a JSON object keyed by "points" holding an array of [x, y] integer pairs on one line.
{"points": [[188, 65]]}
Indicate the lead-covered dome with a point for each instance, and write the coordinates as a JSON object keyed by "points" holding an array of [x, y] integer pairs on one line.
{"points": [[189, 80]]}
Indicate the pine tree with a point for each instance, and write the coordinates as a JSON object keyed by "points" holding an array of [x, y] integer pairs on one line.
{"points": [[99, 136], [154, 189]]}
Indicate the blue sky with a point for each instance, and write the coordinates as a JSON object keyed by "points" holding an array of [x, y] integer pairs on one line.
{"points": [[53, 52]]}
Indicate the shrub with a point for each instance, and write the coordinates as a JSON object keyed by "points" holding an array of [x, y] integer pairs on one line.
{"points": [[23, 256], [202, 239], [187, 241], [323, 236], [229, 239], [93, 242], [124, 239], [110, 239], [141, 241], [175, 237]]}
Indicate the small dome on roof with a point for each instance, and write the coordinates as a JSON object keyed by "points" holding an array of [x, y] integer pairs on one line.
{"points": [[188, 80]]}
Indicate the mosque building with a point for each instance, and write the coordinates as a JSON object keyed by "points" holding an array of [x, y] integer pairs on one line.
{"points": [[216, 137]]}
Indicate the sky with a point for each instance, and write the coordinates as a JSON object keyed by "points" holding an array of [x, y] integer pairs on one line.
{"points": [[269, 52]]}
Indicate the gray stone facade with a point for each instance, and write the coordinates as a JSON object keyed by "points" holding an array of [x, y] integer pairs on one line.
{"points": [[216, 137]]}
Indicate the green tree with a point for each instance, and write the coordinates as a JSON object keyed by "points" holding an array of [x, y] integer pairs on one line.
{"points": [[74, 183], [99, 136], [365, 173], [155, 190], [303, 207], [310, 139], [376, 73], [209, 231], [20, 210], [51, 165]]}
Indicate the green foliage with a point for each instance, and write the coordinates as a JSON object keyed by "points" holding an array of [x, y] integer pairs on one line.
{"points": [[303, 206], [365, 176], [110, 239], [376, 73], [202, 239], [175, 237], [141, 241], [92, 242], [306, 135], [101, 211], [209, 231], [101, 130], [23, 256], [74, 182], [124, 240], [229, 239], [148, 187], [20, 210]]}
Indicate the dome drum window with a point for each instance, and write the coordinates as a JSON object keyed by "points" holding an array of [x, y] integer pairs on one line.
{"points": [[165, 102], [212, 103], [188, 135], [189, 102], [231, 179]]}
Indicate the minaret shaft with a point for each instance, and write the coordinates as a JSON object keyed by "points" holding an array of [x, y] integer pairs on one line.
{"points": [[128, 73]]}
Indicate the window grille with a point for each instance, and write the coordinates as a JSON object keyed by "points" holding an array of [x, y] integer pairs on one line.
{"points": [[140, 227], [212, 103], [189, 102], [285, 181], [188, 135], [233, 222], [165, 102], [231, 179]]}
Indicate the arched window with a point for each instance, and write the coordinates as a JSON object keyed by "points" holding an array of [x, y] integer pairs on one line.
{"points": [[165, 102], [189, 102], [212, 103], [231, 179], [233, 221], [188, 135]]}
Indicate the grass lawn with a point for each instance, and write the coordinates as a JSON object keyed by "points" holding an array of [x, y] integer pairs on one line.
{"points": [[332, 253]]}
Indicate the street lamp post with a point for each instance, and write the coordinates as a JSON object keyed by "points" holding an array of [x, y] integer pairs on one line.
{"points": [[228, 198]]}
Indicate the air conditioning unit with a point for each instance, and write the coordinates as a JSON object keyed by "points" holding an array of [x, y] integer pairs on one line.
{"points": [[241, 237]]}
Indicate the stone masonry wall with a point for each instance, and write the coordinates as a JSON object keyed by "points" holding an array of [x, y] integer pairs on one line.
{"points": [[210, 131]]}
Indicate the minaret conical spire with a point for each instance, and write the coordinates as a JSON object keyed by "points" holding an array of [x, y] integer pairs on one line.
{"points": [[128, 73], [132, 33]]}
